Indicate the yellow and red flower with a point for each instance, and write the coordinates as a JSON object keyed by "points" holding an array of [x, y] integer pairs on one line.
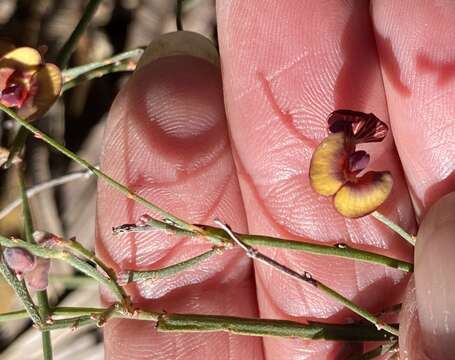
{"points": [[336, 164], [27, 84]]}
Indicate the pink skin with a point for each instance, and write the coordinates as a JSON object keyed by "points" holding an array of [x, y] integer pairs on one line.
{"points": [[286, 66]]}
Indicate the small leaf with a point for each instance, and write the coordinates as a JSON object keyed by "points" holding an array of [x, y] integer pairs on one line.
{"points": [[356, 199]]}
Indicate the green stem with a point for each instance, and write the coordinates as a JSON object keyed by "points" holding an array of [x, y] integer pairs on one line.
{"points": [[212, 323], [218, 237], [67, 49], [356, 309], [21, 291], [16, 146], [72, 73], [99, 72], [113, 183], [79, 249], [128, 276], [391, 225], [59, 254], [307, 278], [43, 302]]}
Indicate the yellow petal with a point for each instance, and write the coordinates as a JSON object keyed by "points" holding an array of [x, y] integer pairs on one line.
{"points": [[327, 165], [49, 83], [5, 47], [358, 199], [23, 58]]}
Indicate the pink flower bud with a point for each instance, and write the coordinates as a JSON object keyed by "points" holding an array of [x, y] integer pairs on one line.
{"points": [[38, 279], [19, 260]]}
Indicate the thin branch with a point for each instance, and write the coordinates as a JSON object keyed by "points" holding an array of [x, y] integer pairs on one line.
{"points": [[219, 237], [83, 70], [67, 49], [109, 180], [80, 250], [83, 174], [214, 323], [127, 276], [21, 291], [99, 72], [43, 302], [309, 279], [60, 254], [391, 225]]}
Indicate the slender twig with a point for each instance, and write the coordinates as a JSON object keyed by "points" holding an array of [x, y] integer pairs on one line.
{"points": [[212, 323], [109, 180], [127, 276], [57, 253], [178, 15], [16, 146], [391, 225], [67, 49], [83, 174], [99, 72], [75, 72], [21, 291], [219, 237], [80, 250], [309, 279], [43, 302]]}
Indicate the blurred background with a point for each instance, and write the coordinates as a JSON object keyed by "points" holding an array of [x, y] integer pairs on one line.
{"points": [[77, 120]]}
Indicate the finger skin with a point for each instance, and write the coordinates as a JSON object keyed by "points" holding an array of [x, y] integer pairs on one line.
{"points": [[166, 139], [418, 65], [286, 66], [413, 40]]}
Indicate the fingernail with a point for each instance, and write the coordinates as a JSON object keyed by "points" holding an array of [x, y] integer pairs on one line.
{"points": [[180, 43], [435, 279]]}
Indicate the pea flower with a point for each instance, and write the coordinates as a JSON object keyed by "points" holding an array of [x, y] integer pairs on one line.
{"points": [[336, 164], [27, 84]]}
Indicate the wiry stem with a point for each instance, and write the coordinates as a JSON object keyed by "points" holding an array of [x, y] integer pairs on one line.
{"points": [[43, 302], [391, 225], [219, 237], [99, 72], [36, 189], [84, 70], [127, 276], [21, 290], [115, 184], [80, 250], [67, 49], [212, 323], [60, 254], [309, 279]]}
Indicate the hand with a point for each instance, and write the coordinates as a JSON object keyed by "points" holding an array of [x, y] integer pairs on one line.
{"points": [[286, 66]]}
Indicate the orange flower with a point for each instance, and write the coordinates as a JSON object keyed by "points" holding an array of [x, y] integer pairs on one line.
{"points": [[27, 83], [336, 164]]}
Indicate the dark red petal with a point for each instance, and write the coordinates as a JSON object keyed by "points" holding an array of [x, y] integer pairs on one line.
{"points": [[361, 126], [358, 161]]}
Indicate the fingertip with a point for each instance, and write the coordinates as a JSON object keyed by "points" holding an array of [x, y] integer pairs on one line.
{"points": [[435, 282]]}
